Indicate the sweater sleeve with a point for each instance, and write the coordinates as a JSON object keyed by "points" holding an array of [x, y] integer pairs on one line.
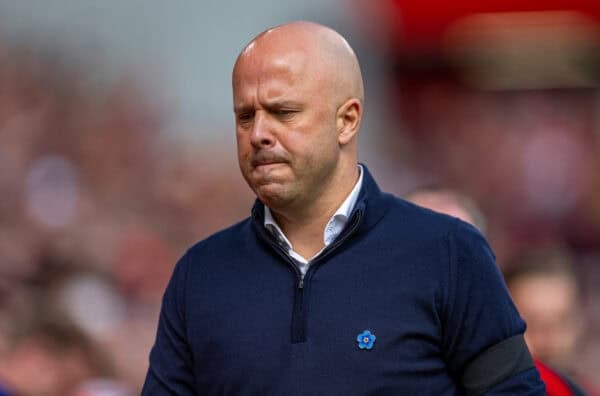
{"points": [[480, 317], [170, 371]]}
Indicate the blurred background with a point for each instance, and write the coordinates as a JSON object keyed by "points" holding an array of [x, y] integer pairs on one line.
{"points": [[117, 152]]}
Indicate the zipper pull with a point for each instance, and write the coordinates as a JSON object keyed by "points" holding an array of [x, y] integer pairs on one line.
{"points": [[301, 283]]}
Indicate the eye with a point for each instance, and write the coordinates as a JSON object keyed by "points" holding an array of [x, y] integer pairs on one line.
{"points": [[245, 116], [284, 113]]}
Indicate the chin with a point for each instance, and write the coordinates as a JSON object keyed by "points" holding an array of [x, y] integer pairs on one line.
{"points": [[274, 196]]}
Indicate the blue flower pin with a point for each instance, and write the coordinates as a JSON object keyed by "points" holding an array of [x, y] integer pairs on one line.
{"points": [[366, 339]]}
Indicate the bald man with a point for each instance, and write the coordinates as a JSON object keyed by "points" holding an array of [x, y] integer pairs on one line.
{"points": [[330, 287]]}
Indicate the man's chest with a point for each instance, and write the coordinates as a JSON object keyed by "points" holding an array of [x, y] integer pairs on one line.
{"points": [[266, 331]]}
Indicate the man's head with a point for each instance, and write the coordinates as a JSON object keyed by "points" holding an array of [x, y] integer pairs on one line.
{"points": [[297, 97], [544, 287]]}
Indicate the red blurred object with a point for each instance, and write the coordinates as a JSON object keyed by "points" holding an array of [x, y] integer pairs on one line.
{"points": [[556, 385], [421, 25]]}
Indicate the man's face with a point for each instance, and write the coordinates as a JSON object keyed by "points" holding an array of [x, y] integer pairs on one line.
{"points": [[548, 304], [285, 125]]}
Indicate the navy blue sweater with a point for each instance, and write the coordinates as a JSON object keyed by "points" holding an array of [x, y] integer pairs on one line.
{"points": [[237, 319]]}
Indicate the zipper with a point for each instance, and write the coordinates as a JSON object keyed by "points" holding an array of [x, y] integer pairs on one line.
{"points": [[299, 312], [326, 252], [285, 255]]}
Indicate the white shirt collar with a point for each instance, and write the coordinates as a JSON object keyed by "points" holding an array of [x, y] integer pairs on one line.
{"points": [[334, 226]]}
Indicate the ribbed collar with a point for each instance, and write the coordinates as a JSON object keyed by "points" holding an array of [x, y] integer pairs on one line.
{"points": [[371, 201]]}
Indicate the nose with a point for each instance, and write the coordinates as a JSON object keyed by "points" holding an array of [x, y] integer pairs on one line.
{"points": [[261, 136]]}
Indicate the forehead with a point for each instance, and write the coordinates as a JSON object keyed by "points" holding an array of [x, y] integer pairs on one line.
{"points": [[276, 77], [257, 65], [250, 66]]}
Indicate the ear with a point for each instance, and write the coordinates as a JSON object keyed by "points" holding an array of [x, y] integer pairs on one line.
{"points": [[348, 119]]}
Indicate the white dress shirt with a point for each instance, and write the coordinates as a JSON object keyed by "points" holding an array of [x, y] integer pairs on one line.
{"points": [[334, 226]]}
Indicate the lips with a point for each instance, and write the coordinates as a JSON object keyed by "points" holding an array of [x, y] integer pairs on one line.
{"points": [[262, 163], [267, 159]]}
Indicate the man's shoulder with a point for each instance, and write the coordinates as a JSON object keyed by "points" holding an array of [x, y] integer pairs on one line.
{"points": [[421, 220], [404, 217], [224, 240]]}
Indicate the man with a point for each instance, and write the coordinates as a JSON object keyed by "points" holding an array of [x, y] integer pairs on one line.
{"points": [[544, 286], [331, 286]]}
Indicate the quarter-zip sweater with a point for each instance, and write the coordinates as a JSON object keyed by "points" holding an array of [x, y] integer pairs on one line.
{"points": [[238, 319]]}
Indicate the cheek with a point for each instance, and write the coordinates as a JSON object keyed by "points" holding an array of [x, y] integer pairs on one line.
{"points": [[326, 145], [243, 145], [316, 134], [244, 165]]}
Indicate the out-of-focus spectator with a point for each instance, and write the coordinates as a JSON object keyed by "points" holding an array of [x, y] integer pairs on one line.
{"points": [[49, 356], [545, 288], [141, 271]]}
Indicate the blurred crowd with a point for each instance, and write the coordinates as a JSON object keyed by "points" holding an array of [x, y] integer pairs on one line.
{"points": [[96, 205], [97, 202]]}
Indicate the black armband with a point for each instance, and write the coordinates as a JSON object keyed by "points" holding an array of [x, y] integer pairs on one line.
{"points": [[495, 364]]}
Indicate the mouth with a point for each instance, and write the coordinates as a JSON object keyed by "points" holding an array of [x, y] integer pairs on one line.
{"points": [[266, 166], [267, 170], [258, 163]]}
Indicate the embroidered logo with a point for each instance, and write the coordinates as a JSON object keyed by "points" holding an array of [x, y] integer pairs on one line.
{"points": [[366, 339]]}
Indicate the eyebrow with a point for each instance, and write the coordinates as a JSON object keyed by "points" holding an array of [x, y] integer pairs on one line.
{"points": [[283, 103], [276, 104], [241, 109]]}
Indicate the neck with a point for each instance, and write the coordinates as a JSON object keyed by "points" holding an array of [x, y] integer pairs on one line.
{"points": [[304, 225]]}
